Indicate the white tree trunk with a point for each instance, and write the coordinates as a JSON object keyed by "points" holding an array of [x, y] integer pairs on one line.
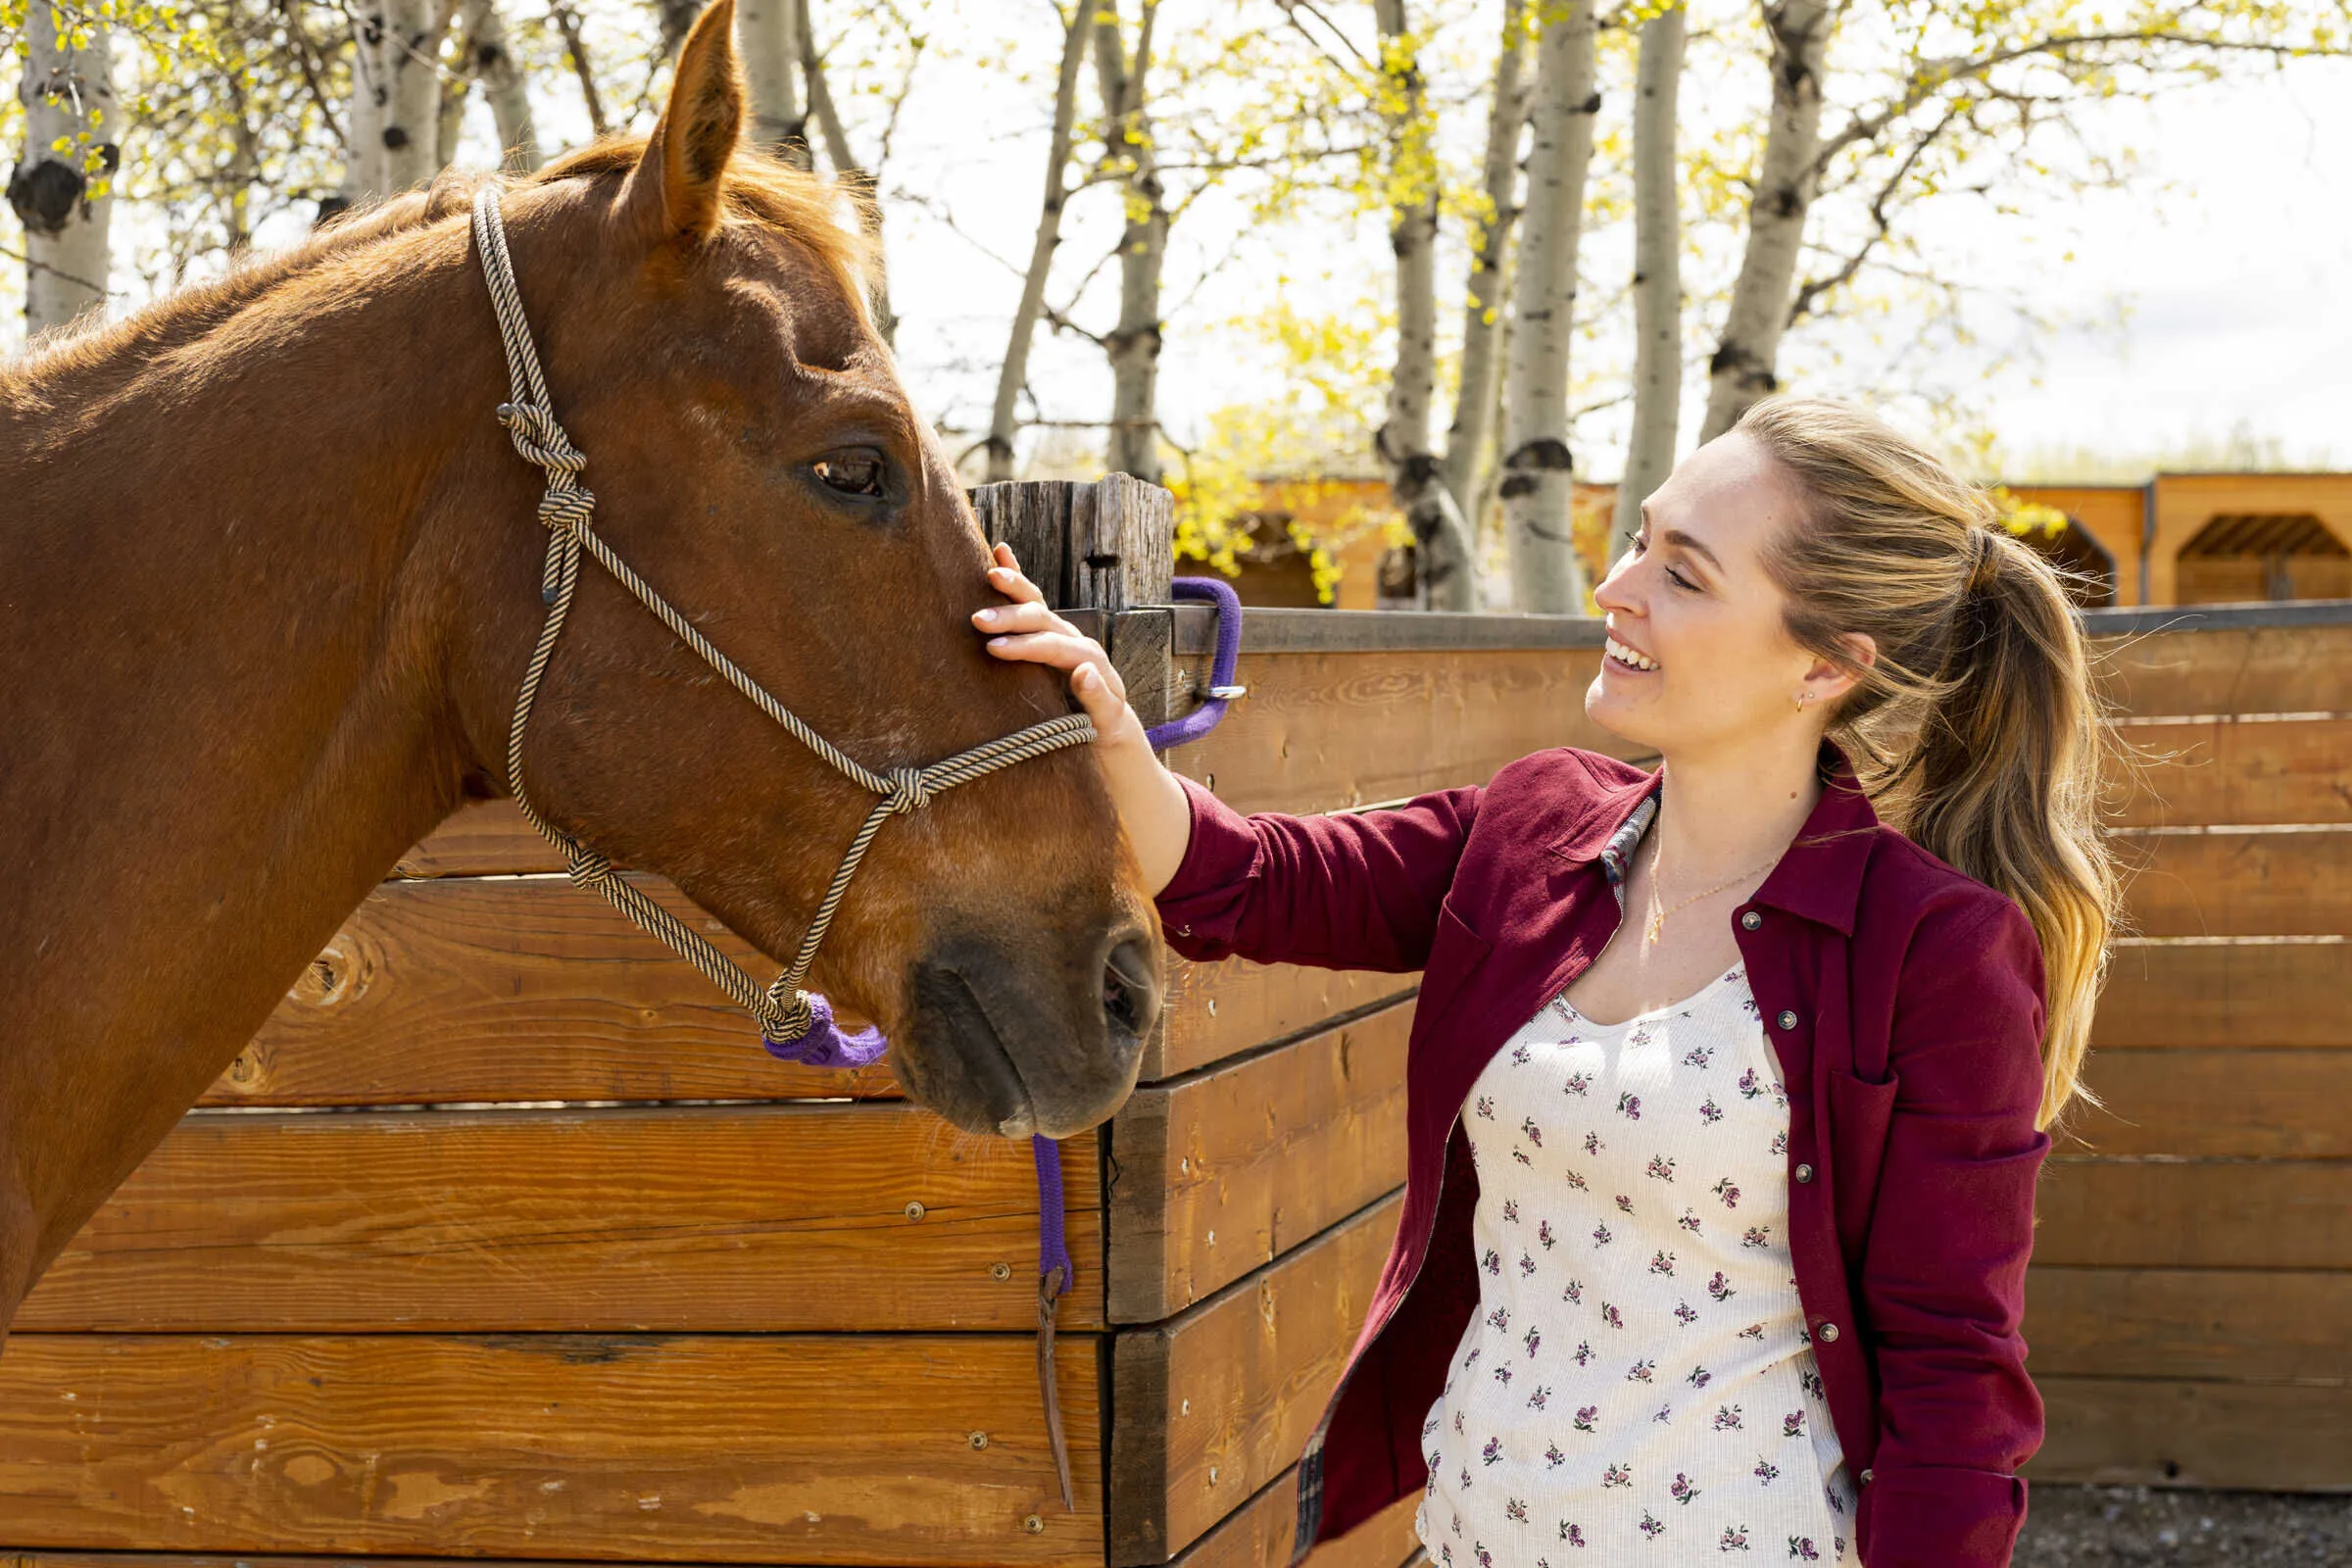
{"points": [[1447, 575], [1657, 271], [68, 93], [1133, 344], [770, 34], [411, 87], [1004, 419], [837, 149], [1538, 487], [363, 121], [1741, 370], [1489, 294], [485, 56]]}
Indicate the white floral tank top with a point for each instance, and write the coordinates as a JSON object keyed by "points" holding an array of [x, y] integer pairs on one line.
{"points": [[1636, 1385]]}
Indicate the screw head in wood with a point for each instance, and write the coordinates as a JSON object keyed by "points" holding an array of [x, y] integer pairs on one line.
{"points": [[978, 1440], [1034, 1525], [999, 1272], [915, 1212]]}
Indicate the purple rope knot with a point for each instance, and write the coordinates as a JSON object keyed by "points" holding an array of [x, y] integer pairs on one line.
{"points": [[823, 1044]]}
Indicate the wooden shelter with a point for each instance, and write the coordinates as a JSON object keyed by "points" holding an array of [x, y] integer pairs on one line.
{"points": [[505, 1240], [2178, 539]]}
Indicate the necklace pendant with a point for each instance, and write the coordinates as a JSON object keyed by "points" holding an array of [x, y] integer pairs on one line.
{"points": [[1657, 924]]}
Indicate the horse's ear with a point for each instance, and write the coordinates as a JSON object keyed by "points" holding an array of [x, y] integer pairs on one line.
{"points": [[675, 188]]}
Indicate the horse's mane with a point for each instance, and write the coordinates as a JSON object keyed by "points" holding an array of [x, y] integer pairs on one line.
{"points": [[759, 189]]}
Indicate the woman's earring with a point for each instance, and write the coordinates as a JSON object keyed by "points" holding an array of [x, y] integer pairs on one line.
{"points": [[1801, 701]]}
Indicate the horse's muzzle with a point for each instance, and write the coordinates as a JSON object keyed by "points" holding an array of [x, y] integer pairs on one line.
{"points": [[1012, 1043]]}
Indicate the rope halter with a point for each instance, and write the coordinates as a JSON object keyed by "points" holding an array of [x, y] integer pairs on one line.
{"points": [[789, 1017]]}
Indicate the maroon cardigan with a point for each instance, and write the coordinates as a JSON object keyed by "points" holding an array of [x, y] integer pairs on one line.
{"points": [[1905, 1002]]}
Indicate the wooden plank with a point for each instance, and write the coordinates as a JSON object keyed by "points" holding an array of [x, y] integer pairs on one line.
{"points": [[2227, 1103], [2276, 882], [2130, 1432], [1259, 1535], [465, 990], [2274, 1214], [2193, 994], [2238, 1324], [1262, 1532], [1214, 1404], [1321, 732], [1214, 1010], [1216, 1174], [2233, 670], [706, 1220], [513, 988], [2227, 770], [819, 1449]]}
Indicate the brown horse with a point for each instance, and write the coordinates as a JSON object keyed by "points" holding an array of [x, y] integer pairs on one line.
{"points": [[270, 574]]}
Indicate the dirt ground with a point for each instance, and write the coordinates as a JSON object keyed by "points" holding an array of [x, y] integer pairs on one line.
{"points": [[2124, 1527]]}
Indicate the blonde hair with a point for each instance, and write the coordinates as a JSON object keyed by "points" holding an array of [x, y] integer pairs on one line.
{"points": [[1976, 731]]}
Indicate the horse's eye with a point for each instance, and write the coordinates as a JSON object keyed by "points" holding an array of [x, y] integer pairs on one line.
{"points": [[855, 472]]}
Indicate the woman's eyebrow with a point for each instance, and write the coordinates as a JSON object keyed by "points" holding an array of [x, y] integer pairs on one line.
{"points": [[1676, 536]]}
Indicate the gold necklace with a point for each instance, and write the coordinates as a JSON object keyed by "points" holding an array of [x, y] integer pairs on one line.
{"points": [[1657, 915]]}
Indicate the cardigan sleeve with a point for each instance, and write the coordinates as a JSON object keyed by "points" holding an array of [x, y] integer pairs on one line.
{"points": [[1346, 891], [1942, 1275]]}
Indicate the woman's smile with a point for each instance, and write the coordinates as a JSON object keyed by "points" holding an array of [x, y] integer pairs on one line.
{"points": [[1629, 658]]}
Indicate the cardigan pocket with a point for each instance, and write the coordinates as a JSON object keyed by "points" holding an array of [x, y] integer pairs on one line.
{"points": [[1454, 951], [1860, 1114]]}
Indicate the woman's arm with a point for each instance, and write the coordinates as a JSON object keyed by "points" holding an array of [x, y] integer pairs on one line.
{"points": [[1943, 1271], [1358, 891]]}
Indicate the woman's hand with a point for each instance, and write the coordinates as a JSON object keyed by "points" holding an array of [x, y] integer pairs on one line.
{"points": [[1028, 631], [1151, 805]]}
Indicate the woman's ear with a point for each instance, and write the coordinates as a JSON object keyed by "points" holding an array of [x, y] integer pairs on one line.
{"points": [[1829, 680]]}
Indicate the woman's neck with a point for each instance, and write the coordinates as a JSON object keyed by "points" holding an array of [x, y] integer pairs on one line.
{"points": [[1729, 807]]}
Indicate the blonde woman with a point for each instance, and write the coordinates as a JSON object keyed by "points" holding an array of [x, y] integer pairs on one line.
{"points": [[1729, 1082]]}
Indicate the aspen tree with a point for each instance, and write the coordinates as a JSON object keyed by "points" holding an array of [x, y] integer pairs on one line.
{"points": [[1657, 268], [1537, 482], [60, 189]]}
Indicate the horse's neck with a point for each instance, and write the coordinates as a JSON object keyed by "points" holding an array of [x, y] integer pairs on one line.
{"points": [[224, 702]]}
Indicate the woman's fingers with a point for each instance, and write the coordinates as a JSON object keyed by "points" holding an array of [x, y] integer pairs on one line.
{"points": [[1006, 577]]}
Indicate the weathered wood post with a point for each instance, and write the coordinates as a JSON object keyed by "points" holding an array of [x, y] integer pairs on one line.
{"points": [[1103, 553]]}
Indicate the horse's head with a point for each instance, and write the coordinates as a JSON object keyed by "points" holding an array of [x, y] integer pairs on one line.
{"points": [[699, 312]]}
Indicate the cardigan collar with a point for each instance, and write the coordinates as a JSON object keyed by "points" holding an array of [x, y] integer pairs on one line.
{"points": [[1817, 879]]}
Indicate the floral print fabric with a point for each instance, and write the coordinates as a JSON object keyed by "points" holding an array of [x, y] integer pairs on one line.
{"points": [[1636, 1385]]}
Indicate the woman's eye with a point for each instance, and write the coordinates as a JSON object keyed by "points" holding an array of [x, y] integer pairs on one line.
{"points": [[855, 472], [1635, 543], [1678, 580]]}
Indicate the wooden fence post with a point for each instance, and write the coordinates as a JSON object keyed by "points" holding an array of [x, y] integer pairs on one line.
{"points": [[1103, 553]]}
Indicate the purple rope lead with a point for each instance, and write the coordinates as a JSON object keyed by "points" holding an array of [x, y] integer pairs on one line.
{"points": [[825, 1046], [1221, 687]]}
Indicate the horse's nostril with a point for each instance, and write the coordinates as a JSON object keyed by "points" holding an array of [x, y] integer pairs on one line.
{"points": [[1130, 993]]}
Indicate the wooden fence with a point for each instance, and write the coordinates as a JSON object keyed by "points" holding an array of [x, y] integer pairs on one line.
{"points": [[505, 1239]]}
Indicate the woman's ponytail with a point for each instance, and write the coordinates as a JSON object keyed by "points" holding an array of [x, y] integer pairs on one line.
{"points": [[1976, 729]]}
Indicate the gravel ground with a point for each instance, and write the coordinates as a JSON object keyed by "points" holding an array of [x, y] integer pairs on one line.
{"points": [[2124, 1527]]}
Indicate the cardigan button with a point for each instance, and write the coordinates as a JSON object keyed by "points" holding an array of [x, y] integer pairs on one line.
{"points": [[1750, 920], [1787, 1020], [1865, 1475], [1804, 1173], [1828, 1333], [1183, 930]]}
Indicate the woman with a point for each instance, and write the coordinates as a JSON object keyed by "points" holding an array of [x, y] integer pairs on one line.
{"points": [[1727, 1092]]}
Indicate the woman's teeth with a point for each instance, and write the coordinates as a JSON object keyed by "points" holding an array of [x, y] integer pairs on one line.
{"points": [[1626, 655]]}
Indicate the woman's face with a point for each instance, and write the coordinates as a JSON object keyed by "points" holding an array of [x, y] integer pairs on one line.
{"points": [[1700, 657]]}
